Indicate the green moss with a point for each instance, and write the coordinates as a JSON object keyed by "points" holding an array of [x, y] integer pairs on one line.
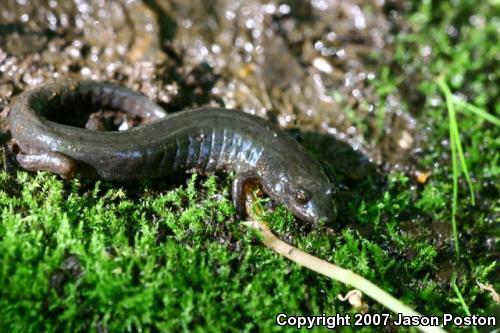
{"points": [[85, 255]]}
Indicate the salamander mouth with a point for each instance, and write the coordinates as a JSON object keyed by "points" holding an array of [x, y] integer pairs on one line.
{"points": [[308, 215], [314, 214]]}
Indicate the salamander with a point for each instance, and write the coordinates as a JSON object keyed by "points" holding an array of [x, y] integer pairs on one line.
{"points": [[200, 140]]}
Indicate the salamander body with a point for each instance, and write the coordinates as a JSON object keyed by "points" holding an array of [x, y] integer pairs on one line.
{"points": [[200, 140]]}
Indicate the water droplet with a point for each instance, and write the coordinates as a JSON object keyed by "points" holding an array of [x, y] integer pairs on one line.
{"points": [[322, 65], [284, 9]]}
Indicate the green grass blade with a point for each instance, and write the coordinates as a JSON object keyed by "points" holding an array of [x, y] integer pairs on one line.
{"points": [[460, 298], [454, 204], [455, 134], [454, 164], [461, 157], [477, 111]]}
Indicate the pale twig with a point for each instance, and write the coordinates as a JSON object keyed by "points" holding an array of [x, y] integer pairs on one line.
{"points": [[335, 272]]}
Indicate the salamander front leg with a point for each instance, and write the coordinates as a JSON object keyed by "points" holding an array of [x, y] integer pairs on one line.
{"points": [[54, 162], [242, 185]]}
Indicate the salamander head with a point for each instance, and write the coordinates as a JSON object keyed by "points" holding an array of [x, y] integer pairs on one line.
{"points": [[309, 196]]}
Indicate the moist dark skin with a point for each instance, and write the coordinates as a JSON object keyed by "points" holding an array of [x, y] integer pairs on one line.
{"points": [[202, 140]]}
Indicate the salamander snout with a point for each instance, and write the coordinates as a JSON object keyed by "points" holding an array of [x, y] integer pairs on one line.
{"points": [[314, 205]]}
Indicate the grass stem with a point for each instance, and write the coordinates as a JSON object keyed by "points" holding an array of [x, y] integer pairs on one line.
{"points": [[456, 149], [476, 111], [460, 298], [336, 273]]}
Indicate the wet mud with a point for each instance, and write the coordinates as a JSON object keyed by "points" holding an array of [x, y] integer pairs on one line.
{"points": [[306, 65]]}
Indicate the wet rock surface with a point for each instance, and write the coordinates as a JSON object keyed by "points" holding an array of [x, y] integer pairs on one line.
{"points": [[308, 65]]}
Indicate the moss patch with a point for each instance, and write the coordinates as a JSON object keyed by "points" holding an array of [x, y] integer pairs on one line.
{"points": [[152, 256]]}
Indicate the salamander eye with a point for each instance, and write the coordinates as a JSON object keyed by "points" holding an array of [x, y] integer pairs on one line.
{"points": [[302, 196]]}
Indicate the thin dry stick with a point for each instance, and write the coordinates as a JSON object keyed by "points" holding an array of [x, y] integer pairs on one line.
{"points": [[335, 272]]}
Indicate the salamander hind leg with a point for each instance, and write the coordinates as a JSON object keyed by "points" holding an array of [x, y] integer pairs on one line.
{"points": [[54, 162], [242, 185]]}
